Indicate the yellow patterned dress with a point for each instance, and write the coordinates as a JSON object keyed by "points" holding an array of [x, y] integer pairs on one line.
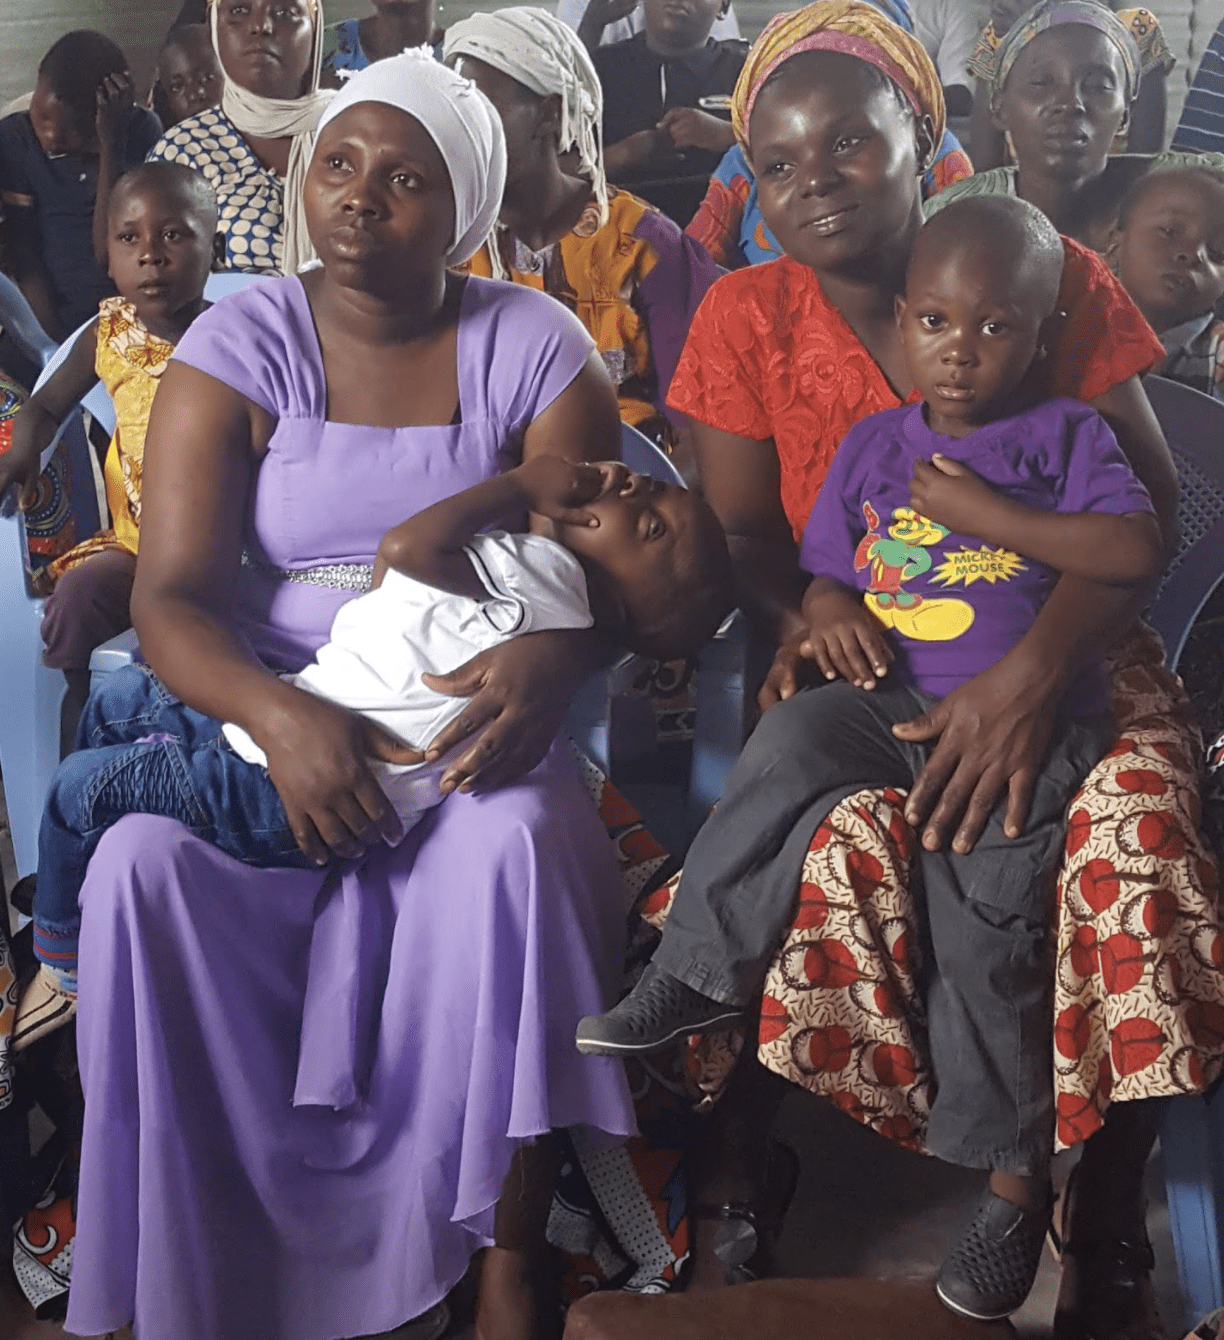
{"points": [[129, 361]]}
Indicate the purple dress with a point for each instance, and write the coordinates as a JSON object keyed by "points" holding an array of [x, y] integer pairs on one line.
{"points": [[303, 1090]]}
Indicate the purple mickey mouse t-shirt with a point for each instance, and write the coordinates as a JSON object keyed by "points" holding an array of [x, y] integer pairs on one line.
{"points": [[953, 604]]}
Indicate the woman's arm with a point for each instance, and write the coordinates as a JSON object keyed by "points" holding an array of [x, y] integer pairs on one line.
{"points": [[519, 692], [199, 462], [741, 480], [39, 418], [1127, 410]]}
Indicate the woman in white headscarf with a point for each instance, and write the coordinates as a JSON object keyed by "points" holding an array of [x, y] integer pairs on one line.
{"points": [[254, 148], [629, 274], [305, 1091]]}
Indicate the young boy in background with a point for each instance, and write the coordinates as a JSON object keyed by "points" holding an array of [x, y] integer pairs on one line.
{"points": [[1167, 248], [57, 160]]}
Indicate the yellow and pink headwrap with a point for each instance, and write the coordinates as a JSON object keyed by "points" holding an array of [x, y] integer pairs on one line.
{"points": [[853, 28]]}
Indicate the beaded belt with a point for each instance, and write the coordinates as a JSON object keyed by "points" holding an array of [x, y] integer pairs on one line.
{"points": [[338, 576]]}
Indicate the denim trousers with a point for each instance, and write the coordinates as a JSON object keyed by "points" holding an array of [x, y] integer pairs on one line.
{"points": [[141, 751], [986, 917]]}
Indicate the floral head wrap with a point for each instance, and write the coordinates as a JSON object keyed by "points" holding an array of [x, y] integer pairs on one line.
{"points": [[1053, 13], [853, 28], [544, 55]]}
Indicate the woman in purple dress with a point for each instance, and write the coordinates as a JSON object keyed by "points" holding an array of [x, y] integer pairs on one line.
{"points": [[310, 1098]]}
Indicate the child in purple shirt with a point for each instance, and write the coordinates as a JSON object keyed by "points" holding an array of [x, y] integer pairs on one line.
{"points": [[935, 541]]}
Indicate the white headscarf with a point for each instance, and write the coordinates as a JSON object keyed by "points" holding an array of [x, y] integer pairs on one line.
{"points": [[459, 119], [275, 118], [542, 53]]}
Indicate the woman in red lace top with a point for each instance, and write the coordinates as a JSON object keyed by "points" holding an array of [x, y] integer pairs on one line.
{"points": [[781, 360]]}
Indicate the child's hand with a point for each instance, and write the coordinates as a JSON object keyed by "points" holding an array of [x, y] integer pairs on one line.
{"points": [[948, 492], [689, 127], [558, 489], [116, 100], [19, 471], [843, 637]]}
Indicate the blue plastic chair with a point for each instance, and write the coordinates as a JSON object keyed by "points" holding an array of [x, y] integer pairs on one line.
{"points": [[1192, 1138], [22, 326]]}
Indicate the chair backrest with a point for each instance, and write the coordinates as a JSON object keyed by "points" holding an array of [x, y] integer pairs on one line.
{"points": [[641, 455], [1193, 425], [23, 327]]}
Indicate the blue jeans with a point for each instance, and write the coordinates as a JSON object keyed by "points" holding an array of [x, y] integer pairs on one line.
{"points": [[141, 751]]}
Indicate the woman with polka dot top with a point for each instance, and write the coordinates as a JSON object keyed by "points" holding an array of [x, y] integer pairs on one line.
{"points": [[255, 146]]}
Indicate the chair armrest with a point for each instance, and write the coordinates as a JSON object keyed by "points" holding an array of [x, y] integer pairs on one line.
{"points": [[113, 655]]}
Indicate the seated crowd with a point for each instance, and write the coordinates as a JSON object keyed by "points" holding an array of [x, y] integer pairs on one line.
{"points": [[336, 912]]}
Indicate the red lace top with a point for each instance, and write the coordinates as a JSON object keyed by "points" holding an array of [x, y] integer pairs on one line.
{"points": [[769, 356]]}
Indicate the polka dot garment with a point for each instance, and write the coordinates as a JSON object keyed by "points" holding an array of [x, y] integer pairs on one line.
{"points": [[250, 198]]}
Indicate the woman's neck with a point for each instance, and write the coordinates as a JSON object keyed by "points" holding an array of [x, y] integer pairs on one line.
{"points": [[866, 296], [541, 208], [385, 34], [374, 317], [1057, 199]]}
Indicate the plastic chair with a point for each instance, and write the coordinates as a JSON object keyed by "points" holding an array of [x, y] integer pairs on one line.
{"points": [[23, 327], [1192, 1135], [29, 723]]}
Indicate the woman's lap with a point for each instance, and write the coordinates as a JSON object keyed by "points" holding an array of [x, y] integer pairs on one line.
{"points": [[204, 1006], [1139, 999]]}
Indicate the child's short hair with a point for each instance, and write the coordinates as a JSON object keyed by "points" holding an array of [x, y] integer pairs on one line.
{"points": [[676, 618], [1024, 239], [77, 64], [171, 177], [1140, 189]]}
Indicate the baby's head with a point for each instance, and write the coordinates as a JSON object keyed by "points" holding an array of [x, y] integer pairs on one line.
{"points": [[1167, 246], [160, 231], [983, 279], [64, 105], [657, 567], [189, 78]]}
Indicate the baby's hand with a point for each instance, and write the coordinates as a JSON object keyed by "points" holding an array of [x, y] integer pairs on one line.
{"points": [[843, 637], [559, 489], [948, 492]]}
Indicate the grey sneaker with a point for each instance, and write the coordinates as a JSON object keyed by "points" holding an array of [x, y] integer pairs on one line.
{"points": [[992, 1268], [658, 1010]]}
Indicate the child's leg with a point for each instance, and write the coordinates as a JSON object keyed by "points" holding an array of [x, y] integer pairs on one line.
{"points": [[223, 799], [990, 993], [742, 871], [89, 606], [991, 922], [132, 704]]}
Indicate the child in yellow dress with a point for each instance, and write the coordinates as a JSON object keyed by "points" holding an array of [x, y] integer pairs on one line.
{"points": [[163, 218]]}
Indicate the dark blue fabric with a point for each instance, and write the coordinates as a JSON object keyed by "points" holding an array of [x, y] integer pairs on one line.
{"points": [[141, 751], [1201, 128], [63, 191]]}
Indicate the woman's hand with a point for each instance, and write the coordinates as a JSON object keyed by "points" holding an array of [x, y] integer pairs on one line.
{"points": [[559, 489], [843, 637], [991, 733], [319, 761], [518, 694]]}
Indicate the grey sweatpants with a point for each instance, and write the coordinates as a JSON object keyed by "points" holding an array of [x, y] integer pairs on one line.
{"points": [[987, 916]]}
